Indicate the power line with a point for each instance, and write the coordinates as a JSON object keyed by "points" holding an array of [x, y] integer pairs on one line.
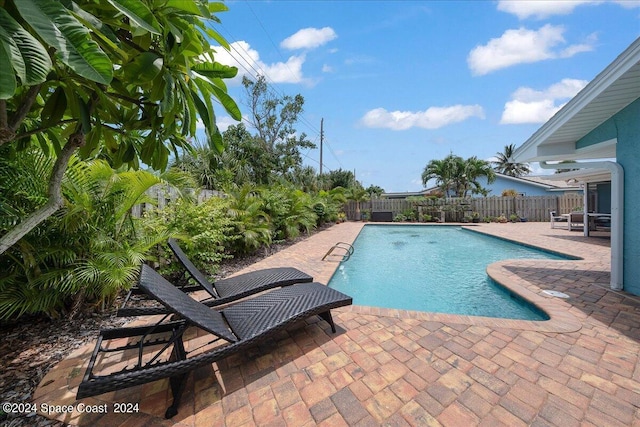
{"points": [[271, 85]]}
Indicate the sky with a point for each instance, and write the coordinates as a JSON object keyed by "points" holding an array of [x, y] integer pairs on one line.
{"points": [[400, 83]]}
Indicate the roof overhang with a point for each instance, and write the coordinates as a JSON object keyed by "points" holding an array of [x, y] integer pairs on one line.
{"points": [[582, 175], [608, 93]]}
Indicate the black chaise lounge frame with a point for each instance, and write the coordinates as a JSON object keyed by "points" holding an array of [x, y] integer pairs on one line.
{"points": [[241, 325], [225, 290]]}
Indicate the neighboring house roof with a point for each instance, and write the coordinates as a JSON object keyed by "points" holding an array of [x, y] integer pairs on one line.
{"points": [[608, 93], [536, 181], [405, 194]]}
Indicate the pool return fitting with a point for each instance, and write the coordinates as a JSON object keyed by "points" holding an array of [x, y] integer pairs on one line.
{"points": [[347, 252]]}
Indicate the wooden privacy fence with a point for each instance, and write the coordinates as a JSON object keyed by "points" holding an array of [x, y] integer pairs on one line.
{"points": [[453, 209], [162, 195]]}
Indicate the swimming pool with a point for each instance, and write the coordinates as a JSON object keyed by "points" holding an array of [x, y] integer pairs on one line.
{"points": [[433, 268]]}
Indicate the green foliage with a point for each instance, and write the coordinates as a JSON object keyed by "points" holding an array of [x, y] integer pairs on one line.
{"points": [[328, 204], [509, 192], [148, 62], [410, 214], [126, 80], [89, 250], [28, 58], [250, 223], [457, 176], [375, 190], [205, 230], [503, 163], [399, 218], [276, 147], [339, 178], [290, 211]]}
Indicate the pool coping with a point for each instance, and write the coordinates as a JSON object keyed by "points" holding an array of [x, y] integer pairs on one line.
{"points": [[560, 319]]}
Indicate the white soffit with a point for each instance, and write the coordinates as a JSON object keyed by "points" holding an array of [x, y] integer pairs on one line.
{"points": [[608, 93], [582, 175]]}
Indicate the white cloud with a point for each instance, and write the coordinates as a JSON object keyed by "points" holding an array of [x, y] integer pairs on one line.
{"points": [[327, 68], [248, 62], [528, 105], [523, 46], [309, 38], [628, 4], [225, 121], [541, 9], [432, 118]]}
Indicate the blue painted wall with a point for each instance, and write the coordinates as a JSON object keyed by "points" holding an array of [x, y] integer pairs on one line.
{"points": [[501, 183], [625, 126]]}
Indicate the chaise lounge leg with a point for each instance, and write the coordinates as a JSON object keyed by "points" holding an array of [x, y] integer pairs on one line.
{"points": [[177, 387], [177, 382], [327, 317]]}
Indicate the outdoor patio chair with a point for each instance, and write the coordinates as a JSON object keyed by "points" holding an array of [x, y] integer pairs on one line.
{"points": [[225, 290], [556, 218], [236, 327], [576, 221]]}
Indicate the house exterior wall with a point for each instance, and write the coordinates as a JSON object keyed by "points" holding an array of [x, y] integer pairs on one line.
{"points": [[501, 183], [625, 126]]}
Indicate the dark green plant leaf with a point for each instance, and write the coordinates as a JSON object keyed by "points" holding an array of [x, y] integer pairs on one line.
{"points": [[228, 103], [8, 82], [54, 108], [138, 13], [29, 58], [144, 68], [70, 39]]}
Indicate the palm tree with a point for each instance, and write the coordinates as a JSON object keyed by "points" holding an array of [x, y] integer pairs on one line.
{"points": [[444, 172], [475, 168], [456, 175], [358, 195], [504, 165]]}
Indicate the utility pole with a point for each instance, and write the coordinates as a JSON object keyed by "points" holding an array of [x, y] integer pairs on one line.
{"points": [[321, 140]]}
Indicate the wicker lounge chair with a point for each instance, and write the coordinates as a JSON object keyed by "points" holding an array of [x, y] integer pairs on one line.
{"points": [[241, 326], [225, 290]]}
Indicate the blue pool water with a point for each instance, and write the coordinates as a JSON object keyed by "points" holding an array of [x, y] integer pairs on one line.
{"points": [[433, 268]]}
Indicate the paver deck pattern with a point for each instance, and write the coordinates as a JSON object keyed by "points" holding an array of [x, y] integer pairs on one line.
{"points": [[394, 367]]}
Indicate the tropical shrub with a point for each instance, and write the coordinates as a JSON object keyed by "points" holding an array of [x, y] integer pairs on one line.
{"points": [[410, 214], [399, 218], [510, 192], [88, 251], [328, 205], [249, 221], [204, 231]]}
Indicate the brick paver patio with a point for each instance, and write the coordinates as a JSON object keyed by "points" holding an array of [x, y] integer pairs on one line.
{"points": [[394, 367]]}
